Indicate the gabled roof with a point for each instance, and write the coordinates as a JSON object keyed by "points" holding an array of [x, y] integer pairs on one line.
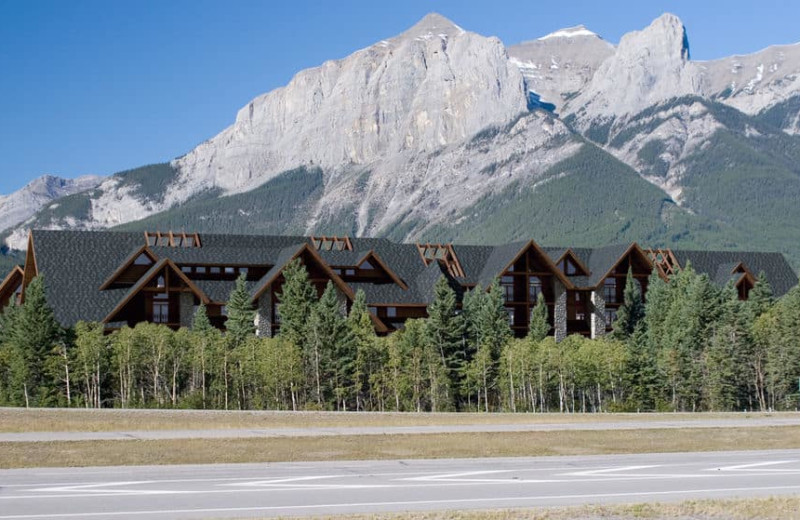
{"points": [[143, 250], [503, 257], [779, 273], [164, 263], [289, 254]]}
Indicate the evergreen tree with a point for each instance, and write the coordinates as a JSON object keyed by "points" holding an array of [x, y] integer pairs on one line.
{"points": [[297, 299], [200, 322], [445, 331], [241, 315], [539, 325], [494, 331], [327, 329], [631, 312], [33, 335], [361, 339]]}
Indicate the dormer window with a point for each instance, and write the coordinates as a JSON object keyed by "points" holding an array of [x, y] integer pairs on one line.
{"points": [[142, 259]]}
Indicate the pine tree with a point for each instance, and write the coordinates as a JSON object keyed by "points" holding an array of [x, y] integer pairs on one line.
{"points": [[297, 299], [327, 329], [445, 331], [361, 341], [200, 323], [241, 315], [33, 334], [494, 332], [539, 326], [631, 312]]}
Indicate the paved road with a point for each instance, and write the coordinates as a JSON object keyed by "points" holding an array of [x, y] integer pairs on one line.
{"points": [[289, 489], [241, 433]]}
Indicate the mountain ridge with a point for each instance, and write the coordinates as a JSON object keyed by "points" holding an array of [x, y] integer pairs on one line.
{"points": [[416, 136]]}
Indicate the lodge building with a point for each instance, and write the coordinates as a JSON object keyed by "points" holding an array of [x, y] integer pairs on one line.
{"points": [[123, 278]]}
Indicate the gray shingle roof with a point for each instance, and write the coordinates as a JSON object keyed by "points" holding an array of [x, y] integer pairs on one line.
{"points": [[713, 263], [76, 263]]}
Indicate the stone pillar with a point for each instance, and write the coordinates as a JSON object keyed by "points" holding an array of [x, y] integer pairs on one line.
{"points": [[186, 309], [559, 310], [263, 320], [597, 308]]}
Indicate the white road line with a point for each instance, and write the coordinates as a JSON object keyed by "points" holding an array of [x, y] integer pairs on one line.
{"points": [[605, 471], [455, 501], [747, 467], [273, 482], [456, 477]]}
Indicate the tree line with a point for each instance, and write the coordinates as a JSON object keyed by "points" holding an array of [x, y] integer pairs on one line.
{"points": [[691, 346]]}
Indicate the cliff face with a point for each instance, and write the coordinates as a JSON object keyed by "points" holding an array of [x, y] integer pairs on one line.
{"points": [[429, 134]]}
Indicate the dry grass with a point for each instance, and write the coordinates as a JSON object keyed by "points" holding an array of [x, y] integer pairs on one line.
{"points": [[373, 447], [774, 508], [22, 420]]}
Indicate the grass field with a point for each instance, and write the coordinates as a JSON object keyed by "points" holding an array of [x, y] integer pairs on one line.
{"points": [[776, 508], [392, 446], [43, 419]]}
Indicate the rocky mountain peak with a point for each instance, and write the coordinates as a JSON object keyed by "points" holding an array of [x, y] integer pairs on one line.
{"points": [[433, 24], [579, 31], [649, 66], [666, 36]]}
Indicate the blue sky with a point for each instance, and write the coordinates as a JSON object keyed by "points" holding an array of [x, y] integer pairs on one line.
{"points": [[98, 87]]}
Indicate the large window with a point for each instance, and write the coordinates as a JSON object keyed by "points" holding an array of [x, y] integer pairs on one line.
{"points": [[610, 290], [534, 288], [507, 284], [161, 308]]}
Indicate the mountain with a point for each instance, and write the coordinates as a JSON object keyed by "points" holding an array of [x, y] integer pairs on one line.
{"points": [[443, 134], [25, 202]]}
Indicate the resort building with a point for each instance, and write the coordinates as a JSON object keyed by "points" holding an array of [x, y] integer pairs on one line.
{"points": [[123, 278]]}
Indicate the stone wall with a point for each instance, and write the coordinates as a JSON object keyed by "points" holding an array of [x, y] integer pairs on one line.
{"points": [[186, 309], [597, 308], [263, 321], [560, 311]]}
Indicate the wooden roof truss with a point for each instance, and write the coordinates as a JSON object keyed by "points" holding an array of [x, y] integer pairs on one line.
{"points": [[171, 239], [443, 253], [333, 243], [664, 260]]}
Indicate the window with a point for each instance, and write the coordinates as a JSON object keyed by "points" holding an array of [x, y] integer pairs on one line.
{"points": [[610, 290], [350, 272], [391, 312], [186, 269], [215, 270], [611, 316], [243, 270], [534, 288], [200, 269], [160, 282], [161, 308], [142, 259], [507, 284], [366, 265], [223, 310], [230, 270], [336, 270], [511, 317]]}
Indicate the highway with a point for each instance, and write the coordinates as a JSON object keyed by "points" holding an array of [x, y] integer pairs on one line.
{"points": [[315, 488]]}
